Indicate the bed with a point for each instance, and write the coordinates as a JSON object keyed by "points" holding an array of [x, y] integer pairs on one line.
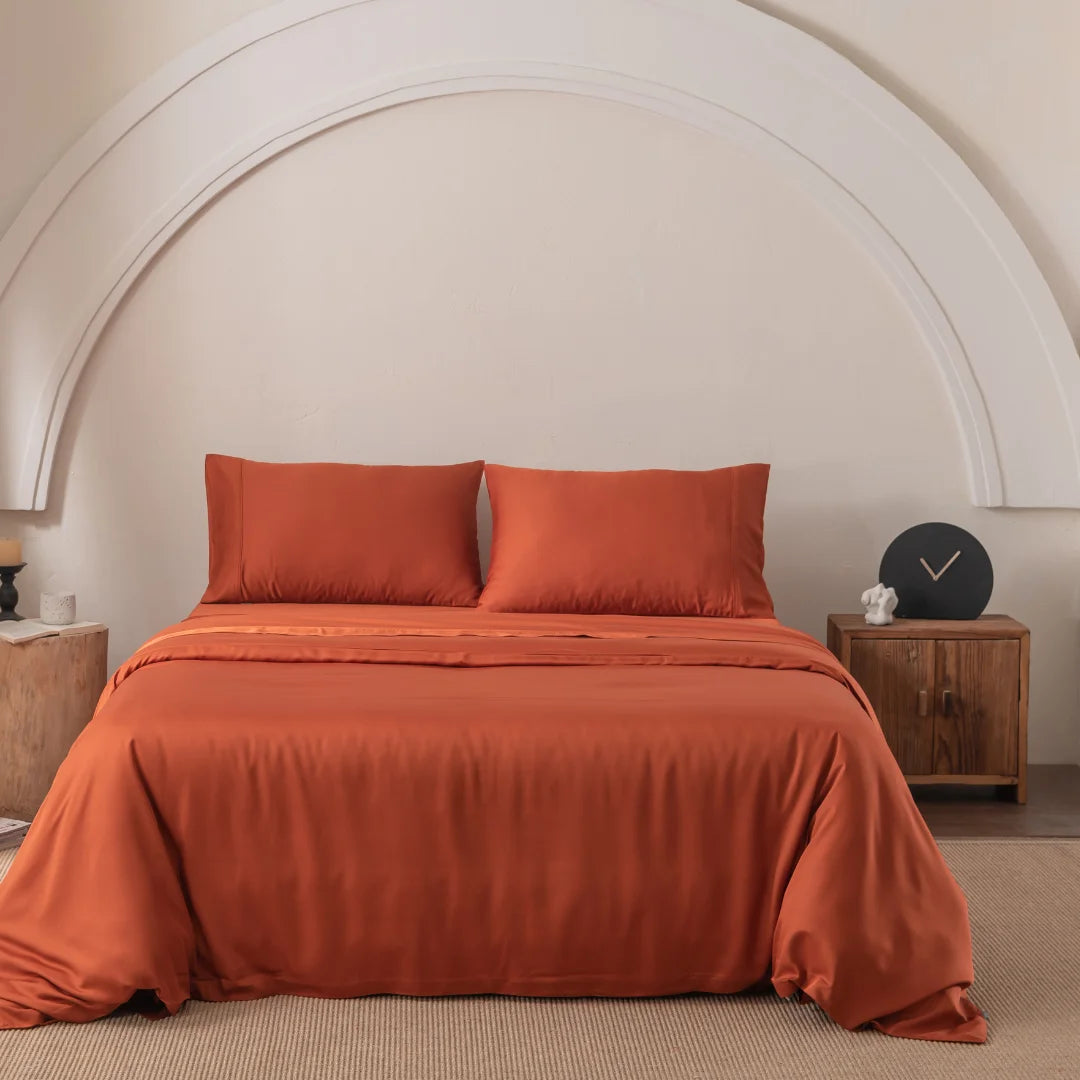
{"points": [[338, 800]]}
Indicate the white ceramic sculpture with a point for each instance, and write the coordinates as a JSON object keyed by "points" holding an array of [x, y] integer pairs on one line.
{"points": [[880, 603]]}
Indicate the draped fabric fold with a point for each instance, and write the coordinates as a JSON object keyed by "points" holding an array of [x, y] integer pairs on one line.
{"points": [[333, 801]]}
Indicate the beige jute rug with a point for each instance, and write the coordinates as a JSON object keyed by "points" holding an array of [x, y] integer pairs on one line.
{"points": [[1024, 897]]}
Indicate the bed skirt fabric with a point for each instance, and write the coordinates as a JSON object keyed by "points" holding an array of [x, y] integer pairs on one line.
{"points": [[338, 801]]}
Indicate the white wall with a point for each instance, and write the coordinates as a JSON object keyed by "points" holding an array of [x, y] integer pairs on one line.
{"points": [[998, 80], [547, 280]]}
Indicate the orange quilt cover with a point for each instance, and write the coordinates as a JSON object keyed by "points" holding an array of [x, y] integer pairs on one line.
{"points": [[334, 801]]}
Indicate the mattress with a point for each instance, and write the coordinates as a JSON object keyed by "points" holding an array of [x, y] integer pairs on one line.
{"points": [[348, 800]]}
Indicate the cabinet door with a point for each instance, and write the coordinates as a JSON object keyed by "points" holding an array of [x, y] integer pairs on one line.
{"points": [[898, 677], [977, 707]]}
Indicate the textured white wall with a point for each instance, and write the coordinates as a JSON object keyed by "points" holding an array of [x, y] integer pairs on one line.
{"points": [[540, 280]]}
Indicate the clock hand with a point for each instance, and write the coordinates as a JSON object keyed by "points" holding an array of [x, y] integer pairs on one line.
{"points": [[947, 565], [933, 576]]}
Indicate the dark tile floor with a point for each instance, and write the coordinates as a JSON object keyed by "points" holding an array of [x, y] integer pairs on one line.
{"points": [[1052, 809]]}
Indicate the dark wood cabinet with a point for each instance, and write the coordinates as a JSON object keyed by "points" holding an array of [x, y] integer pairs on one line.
{"points": [[951, 696], [898, 677]]}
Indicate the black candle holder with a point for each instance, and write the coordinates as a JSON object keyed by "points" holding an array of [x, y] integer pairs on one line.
{"points": [[9, 595]]}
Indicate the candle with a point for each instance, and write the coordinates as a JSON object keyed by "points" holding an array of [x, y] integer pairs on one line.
{"points": [[10, 551]]}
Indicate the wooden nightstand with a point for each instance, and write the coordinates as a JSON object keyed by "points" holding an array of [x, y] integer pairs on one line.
{"points": [[48, 690], [951, 696]]}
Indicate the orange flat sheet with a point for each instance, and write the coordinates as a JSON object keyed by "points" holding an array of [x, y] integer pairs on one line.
{"points": [[335, 801]]}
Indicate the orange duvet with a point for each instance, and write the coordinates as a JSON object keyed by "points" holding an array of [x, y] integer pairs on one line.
{"points": [[333, 801]]}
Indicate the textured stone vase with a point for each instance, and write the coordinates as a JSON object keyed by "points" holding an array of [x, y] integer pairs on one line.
{"points": [[58, 609]]}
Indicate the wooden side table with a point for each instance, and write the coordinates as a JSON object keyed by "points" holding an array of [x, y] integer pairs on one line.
{"points": [[951, 696], [48, 690]]}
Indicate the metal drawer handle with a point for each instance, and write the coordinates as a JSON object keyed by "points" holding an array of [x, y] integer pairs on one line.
{"points": [[946, 702], [923, 703]]}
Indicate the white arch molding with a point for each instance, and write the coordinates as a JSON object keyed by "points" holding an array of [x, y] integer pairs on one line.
{"points": [[299, 67]]}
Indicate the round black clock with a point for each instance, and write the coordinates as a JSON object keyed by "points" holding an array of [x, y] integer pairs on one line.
{"points": [[939, 571]]}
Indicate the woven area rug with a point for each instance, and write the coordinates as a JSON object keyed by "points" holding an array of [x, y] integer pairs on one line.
{"points": [[1024, 897]]}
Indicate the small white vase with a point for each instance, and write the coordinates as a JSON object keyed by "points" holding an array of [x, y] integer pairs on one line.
{"points": [[58, 608]]}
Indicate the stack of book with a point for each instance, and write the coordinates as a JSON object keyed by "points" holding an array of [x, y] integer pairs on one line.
{"points": [[12, 831]]}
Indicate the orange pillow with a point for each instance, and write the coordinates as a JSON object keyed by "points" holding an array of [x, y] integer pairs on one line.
{"points": [[654, 542], [342, 534]]}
